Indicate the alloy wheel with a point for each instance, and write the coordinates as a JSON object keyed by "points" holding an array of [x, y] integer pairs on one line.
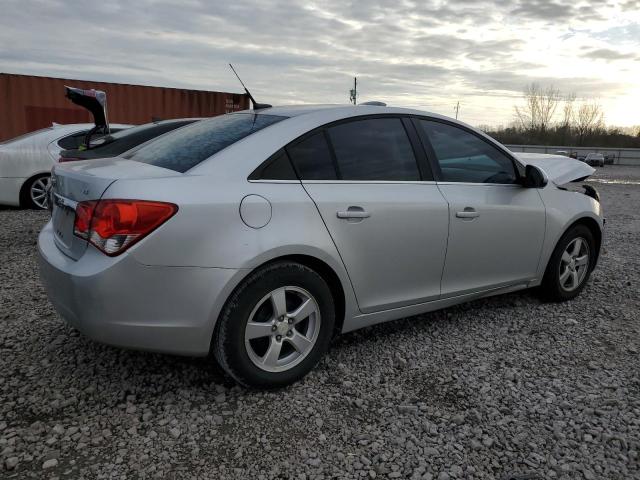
{"points": [[39, 192], [282, 329], [574, 264]]}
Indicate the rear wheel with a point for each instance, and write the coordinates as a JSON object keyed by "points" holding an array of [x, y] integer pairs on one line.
{"points": [[276, 326], [35, 192], [570, 264]]}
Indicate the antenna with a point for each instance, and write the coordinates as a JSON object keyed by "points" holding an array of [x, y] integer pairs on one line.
{"points": [[457, 109], [353, 93], [256, 105]]}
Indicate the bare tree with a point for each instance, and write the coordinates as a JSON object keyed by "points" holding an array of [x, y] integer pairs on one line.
{"points": [[589, 119], [568, 115], [539, 108], [568, 111]]}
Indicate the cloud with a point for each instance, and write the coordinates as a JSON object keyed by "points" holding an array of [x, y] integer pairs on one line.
{"points": [[631, 5], [407, 51], [609, 54]]}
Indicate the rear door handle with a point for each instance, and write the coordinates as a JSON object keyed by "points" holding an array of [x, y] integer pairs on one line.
{"points": [[354, 212], [468, 212]]}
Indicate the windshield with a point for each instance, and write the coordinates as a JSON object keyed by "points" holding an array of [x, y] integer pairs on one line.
{"points": [[185, 148]]}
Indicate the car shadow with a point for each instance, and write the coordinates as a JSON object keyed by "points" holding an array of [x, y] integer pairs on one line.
{"points": [[155, 374]]}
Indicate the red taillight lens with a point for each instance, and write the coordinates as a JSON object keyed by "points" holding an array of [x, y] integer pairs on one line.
{"points": [[115, 225], [82, 223]]}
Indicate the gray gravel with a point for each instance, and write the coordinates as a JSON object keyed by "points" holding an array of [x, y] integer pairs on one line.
{"points": [[496, 388]]}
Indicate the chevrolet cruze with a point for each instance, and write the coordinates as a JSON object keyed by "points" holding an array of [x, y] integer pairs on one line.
{"points": [[260, 235]]}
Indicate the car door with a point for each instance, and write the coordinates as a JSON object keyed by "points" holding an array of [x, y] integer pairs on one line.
{"points": [[496, 225], [386, 216]]}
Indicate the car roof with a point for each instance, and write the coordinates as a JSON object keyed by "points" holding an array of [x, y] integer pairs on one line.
{"points": [[298, 120], [337, 109]]}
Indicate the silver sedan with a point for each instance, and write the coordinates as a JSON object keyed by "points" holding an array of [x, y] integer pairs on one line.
{"points": [[260, 235]]}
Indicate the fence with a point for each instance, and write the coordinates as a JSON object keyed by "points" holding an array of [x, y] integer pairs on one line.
{"points": [[28, 103], [621, 156]]}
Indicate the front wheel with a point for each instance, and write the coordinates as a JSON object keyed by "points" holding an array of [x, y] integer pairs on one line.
{"points": [[570, 265], [275, 327]]}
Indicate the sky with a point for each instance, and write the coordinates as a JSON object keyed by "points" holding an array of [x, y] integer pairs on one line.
{"points": [[427, 54]]}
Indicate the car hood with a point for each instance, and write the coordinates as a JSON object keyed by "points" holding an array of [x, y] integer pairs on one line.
{"points": [[559, 169]]}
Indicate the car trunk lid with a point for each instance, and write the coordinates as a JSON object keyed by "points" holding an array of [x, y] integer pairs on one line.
{"points": [[93, 100], [75, 182], [559, 169]]}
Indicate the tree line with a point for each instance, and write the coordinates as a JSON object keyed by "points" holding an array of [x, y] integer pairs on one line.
{"points": [[547, 117]]}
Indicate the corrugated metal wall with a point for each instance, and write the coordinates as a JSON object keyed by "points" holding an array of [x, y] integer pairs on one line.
{"points": [[28, 103]]}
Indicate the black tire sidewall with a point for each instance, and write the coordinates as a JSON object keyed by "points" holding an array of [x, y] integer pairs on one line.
{"points": [[229, 344], [551, 282]]}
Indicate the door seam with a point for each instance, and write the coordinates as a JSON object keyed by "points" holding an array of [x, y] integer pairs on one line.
{"points": [[446, 249], [334, 244]]}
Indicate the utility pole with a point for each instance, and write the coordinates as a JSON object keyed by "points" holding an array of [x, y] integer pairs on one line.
{"points": [[457, 109], [353, 93]]}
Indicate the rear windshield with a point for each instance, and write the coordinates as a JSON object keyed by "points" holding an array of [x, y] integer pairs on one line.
{"points": [[185, 148], [160, 126]]}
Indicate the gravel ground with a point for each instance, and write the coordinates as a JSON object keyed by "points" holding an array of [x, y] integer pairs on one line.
{"points": [[506, 387]]}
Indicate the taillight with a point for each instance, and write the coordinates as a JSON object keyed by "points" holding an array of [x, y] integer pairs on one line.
{"points": [[114, 225], [82, 223]]}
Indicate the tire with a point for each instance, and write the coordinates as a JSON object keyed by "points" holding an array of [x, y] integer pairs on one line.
{"points": [[300, 340], [560, 282], [33, 194]]}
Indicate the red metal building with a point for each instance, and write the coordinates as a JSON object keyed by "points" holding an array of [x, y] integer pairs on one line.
{"points": [[28, 103]]}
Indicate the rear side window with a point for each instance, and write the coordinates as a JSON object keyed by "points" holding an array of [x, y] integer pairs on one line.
{"points": [[277, 168], [464, 157], [312, 158], [374, 149], [186, 147]]}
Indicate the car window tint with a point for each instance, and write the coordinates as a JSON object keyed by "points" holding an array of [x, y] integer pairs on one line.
{"points": [[464, 157], [186, 147], [374, 149], [279, 168], [312, 158]]}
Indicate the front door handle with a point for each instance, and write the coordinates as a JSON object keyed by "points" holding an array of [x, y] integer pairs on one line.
{"points": [[354, 212], [468, 212]]}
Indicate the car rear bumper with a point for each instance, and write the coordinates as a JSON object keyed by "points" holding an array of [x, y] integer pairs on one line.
{"points": [[10, 190], [121, 302]]}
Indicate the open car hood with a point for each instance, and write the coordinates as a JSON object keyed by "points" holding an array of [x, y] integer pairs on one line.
{"points": [[559, 169], [93, 100]]}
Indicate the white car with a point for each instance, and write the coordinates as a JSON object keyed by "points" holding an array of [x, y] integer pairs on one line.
{"points": [[26, 161], [596, 159]]}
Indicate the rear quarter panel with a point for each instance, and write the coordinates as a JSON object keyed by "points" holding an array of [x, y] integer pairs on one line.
{"points": [[209, 232]]}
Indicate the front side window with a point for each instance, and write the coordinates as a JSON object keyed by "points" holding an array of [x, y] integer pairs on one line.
{"points": [[464, 157], [374, 149], [184, 148]]}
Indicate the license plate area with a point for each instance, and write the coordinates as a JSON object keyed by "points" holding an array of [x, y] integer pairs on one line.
{"points": [[63, 217]]}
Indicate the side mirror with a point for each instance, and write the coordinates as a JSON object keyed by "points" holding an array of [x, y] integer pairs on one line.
{"points": [[534, 177]]}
